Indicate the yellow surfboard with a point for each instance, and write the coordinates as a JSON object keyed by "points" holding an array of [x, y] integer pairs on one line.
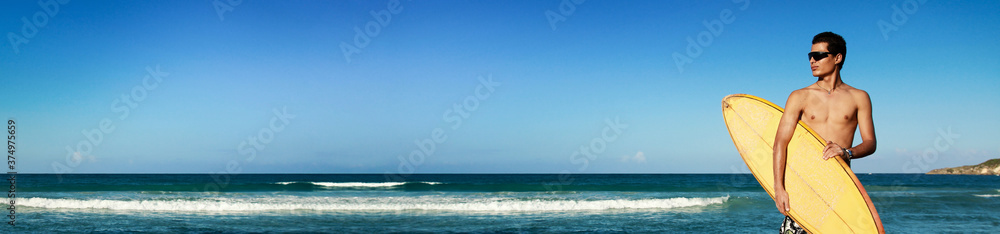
{"points": [[825, 196]]}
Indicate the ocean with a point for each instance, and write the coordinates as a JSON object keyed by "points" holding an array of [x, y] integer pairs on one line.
{"points": [[474, 203]]}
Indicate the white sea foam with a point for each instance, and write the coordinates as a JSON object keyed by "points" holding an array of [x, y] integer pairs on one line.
{"points": [[427, 203], [357, 184], [988, 195]]}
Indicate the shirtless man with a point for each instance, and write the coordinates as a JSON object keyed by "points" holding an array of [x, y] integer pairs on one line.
{"points": [[831, 108]]}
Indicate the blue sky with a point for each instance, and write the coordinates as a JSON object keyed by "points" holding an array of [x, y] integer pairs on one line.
{"points": [[218, 79]]}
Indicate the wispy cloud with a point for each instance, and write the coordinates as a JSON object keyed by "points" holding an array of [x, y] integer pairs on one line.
{"points": [[639, 157]]}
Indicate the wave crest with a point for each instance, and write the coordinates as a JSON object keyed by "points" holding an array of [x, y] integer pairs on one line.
{"points": [[357, 184], [428, 203]]}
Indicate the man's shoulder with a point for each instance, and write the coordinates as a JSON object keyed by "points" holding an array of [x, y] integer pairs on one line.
{"points": [[801, 93], [859, 96], [797, 98], [856, 92]]}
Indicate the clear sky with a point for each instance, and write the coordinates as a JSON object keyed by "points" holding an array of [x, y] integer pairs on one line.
{"points": [[475, 86]]}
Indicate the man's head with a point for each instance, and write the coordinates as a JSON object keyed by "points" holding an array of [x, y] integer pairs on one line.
{"points": [[828, 53]]}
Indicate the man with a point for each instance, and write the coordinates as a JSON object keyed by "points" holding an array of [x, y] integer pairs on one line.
{"points": [[831, 108]]}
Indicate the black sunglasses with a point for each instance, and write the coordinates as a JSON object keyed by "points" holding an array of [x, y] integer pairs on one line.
{"points": [[818, 55]]}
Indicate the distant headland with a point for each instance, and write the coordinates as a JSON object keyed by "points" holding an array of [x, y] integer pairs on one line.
{"points": [[990, 167]]}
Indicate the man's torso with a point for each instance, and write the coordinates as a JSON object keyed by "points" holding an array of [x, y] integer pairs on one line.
{"points": [[833, 116]]}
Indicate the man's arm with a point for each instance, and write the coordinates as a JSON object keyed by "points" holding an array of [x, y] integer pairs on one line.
{"points": [[786, 128], [866, 125]]}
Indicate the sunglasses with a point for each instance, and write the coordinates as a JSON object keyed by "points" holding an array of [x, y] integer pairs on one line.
{"points": [[818, 55]]}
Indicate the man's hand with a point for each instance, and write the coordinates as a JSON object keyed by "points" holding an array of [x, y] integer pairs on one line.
{"points": [[781, 200], [834, 150]]}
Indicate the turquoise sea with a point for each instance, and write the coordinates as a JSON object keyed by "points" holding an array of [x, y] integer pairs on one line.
{"points": [[469, 203]]}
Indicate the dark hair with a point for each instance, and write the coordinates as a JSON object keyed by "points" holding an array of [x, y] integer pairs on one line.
{"points": [[834, 43]]}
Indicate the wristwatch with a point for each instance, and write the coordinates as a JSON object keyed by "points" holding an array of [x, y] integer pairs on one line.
{"points": [[850, 154]]}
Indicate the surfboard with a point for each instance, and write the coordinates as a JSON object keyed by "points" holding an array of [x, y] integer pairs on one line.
{"points": [[824, 195]]}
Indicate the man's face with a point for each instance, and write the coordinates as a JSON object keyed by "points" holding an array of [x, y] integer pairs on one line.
{"points": [[825, 65]]}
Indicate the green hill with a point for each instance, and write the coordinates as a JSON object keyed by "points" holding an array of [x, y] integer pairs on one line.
{"points": [[990, 167]]}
